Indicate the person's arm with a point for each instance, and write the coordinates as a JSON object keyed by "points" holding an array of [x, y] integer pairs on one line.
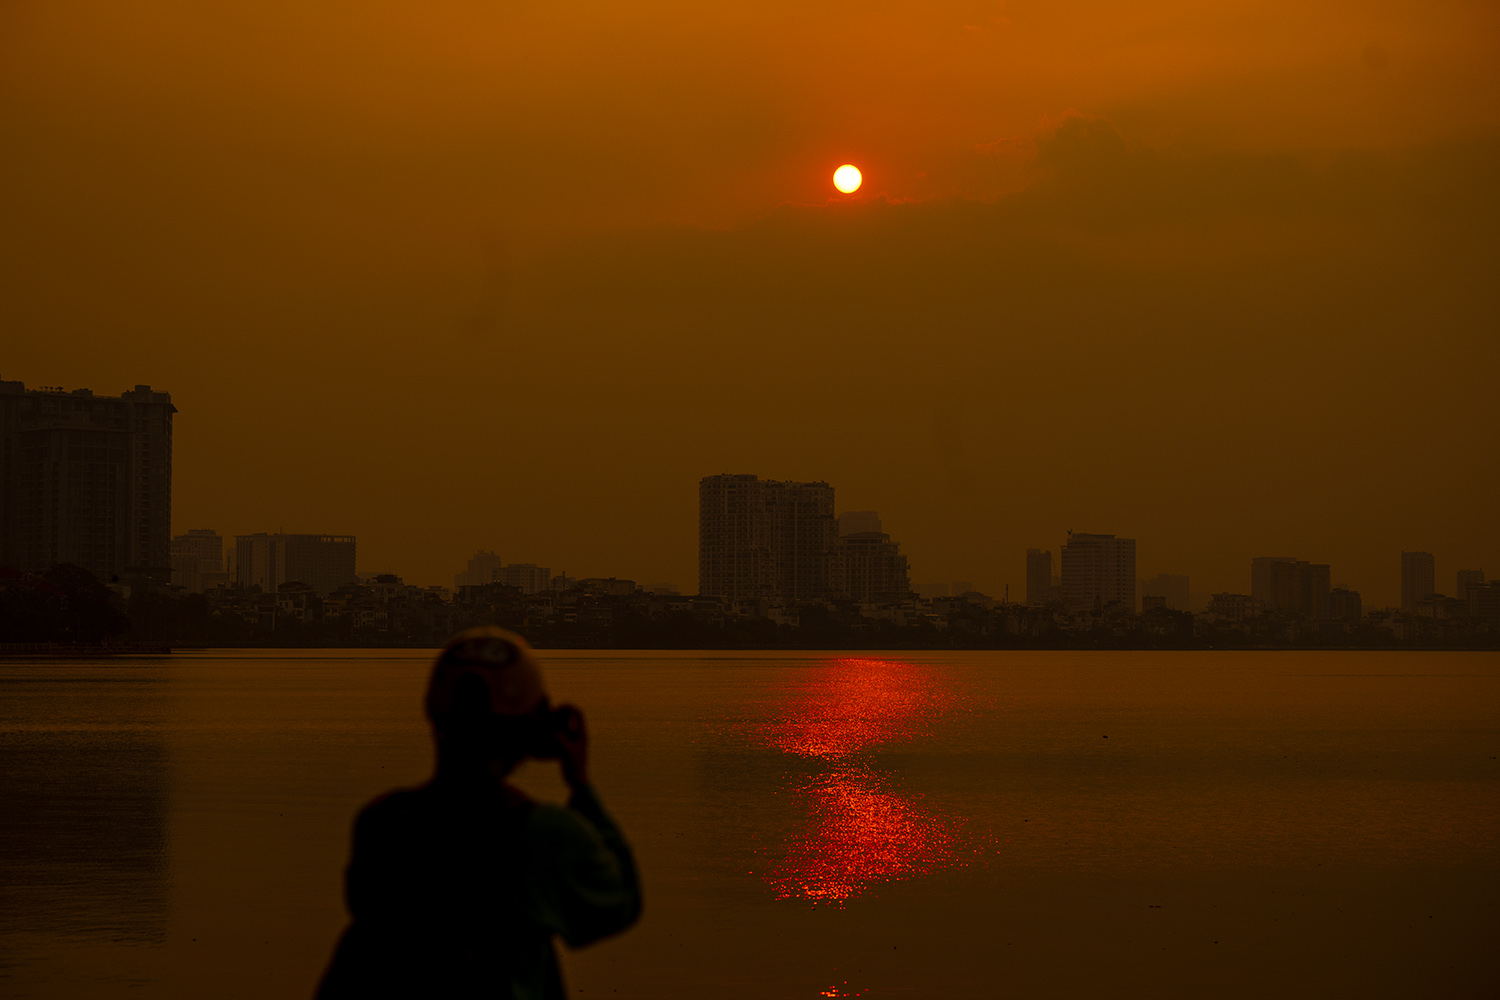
{"points": [[592, 882]]}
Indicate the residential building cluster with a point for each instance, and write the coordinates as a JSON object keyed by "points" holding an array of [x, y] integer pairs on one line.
{"points": [[86, 481], [529, 578], [765, 539], [772, 547], [1283, 587]]}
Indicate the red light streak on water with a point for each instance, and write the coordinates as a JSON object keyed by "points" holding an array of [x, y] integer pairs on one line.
{"points": [[852, 705], [858, 835], [858, 832]]}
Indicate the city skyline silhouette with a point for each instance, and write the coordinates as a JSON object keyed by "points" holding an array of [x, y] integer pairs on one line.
{"points": [[89, 481]]}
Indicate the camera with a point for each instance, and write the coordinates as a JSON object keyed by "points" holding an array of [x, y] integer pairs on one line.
{"points": [[547, 726]]}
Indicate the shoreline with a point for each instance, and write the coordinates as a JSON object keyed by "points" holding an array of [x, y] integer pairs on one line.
{"points": [[62, 650], [22, 649]]}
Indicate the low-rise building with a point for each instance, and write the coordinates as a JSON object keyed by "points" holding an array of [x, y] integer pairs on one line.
{"points": [[1233, 607]]}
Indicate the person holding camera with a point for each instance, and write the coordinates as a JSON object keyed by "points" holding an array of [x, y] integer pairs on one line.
{"points": [[457, 888]]}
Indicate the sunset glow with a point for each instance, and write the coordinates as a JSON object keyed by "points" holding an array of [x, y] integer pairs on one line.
{"points": [[848, 178], [470, 492], [459, 183]]}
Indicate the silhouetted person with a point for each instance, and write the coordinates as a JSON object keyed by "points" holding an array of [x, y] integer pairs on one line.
{"points": [[456, 888]]}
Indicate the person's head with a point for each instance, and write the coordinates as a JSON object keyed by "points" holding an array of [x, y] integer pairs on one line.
{"points": [[485, 699]]}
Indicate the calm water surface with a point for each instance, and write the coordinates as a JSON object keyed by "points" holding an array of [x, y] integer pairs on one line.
{"points": [[807, 825]]}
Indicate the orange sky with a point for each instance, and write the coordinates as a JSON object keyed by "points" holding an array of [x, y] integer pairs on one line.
{"points": [[467, 274]]}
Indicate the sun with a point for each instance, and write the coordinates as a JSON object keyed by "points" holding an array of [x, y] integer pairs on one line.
{"points": [[847, 178]]}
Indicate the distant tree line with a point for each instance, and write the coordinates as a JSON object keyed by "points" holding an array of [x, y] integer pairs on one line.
{"points": [[68, 605], [65, 604]]}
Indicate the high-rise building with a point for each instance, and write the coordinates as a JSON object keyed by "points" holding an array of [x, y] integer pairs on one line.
{"points": [[1290, 585], [198, 560], [874, 568], [484, 567], [767, 538], [1418, 579], [1172, 587], [87, 480], [528, 578], [1484, 601], [1098, 571], [323, 562], [1038, 576], [1468, 578], [1344, 604]]}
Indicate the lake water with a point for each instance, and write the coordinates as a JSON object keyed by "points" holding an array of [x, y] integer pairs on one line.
{"points": [[1037, 824]]}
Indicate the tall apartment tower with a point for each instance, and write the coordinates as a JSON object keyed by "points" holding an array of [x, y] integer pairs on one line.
{"points": [[874, 568], [1038, 576], [198, 560], [1344, 605], [87, 480], [1468, 578], [1098, 570], [767, 538], [1291, 585], [1418, 579], [323, 562]]}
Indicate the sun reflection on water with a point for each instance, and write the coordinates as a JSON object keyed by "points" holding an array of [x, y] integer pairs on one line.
{"points": [[859, 830], [853, 705], [857, 835]]}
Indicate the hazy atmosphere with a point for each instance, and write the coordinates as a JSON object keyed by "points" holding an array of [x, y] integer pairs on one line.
{"points": [[516, 276], [865, 499]]}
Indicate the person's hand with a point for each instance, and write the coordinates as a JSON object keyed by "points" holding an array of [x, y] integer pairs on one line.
{"points": [[574, 740]]}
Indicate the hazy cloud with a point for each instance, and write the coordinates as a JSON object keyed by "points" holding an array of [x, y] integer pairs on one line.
{"points": [[1247, 285]]}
